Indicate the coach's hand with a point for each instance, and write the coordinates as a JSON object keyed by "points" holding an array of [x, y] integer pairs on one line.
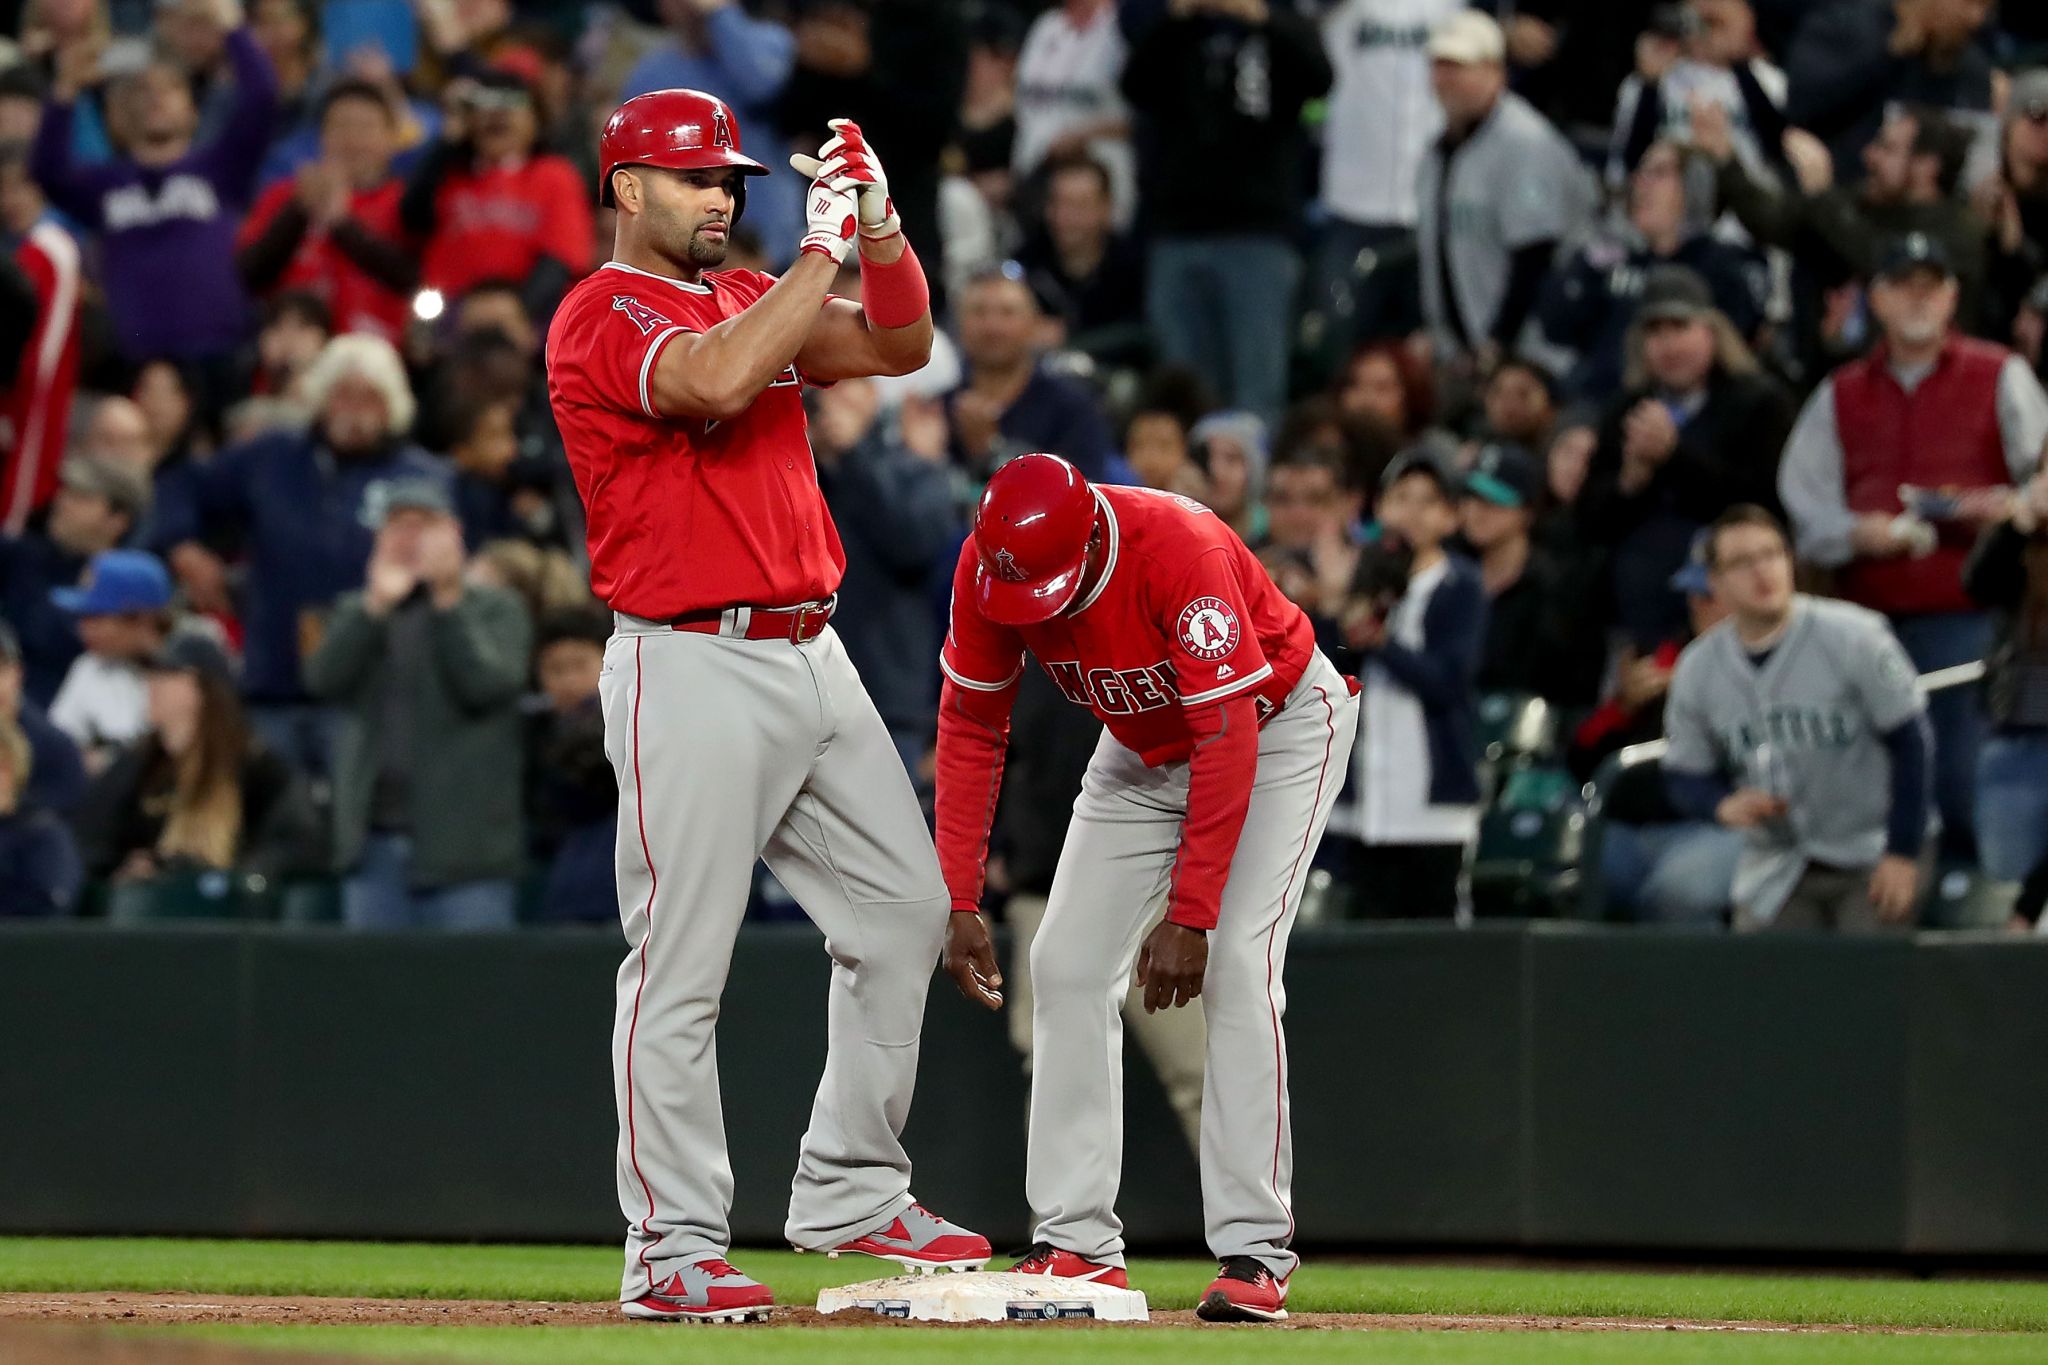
{"points": [[1171, 965], [971, 959], [849, 148]]}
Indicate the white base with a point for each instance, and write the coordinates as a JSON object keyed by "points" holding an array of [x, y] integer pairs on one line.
{"points": [[987, 1296]]}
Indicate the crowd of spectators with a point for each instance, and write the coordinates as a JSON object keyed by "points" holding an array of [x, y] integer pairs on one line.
{"points": [[1471, 318]]}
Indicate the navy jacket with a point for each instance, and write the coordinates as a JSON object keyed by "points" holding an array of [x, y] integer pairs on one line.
{"points": [[896, 519], [308, 522], [39, 869], [1443, 675], [1056, 415], [31, 565], [1842, 77], [56, 778]]}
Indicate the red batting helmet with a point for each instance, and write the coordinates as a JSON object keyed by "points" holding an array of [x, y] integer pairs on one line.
{"points": [[1031, 534], [680, 130]]}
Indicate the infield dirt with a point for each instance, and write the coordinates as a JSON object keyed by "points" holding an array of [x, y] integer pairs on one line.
{"points": [[25, 1311]]}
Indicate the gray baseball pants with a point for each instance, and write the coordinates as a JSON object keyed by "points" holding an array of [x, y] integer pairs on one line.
{"points": [[728, 750], [1113, 872]]}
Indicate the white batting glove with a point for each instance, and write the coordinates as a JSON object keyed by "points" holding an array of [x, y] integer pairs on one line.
{"points": [[849, 146], [831, 214]]}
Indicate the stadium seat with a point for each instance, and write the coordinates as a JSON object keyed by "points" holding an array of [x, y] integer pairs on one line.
{"points": [[1530, 846], [315, 901], [1961, 897], [191, 895], [1516, 725], [1592, 901]]}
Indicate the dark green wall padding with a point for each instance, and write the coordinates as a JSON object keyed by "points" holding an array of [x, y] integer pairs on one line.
{"points": [[1543, 1086]]}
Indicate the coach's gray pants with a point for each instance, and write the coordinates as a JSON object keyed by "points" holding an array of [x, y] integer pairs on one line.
{"points": [[1113, 871], [727, 750]]}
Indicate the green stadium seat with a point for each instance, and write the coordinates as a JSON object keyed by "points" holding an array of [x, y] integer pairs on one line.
{"points": [[1530, 846], [191, 896], [1516, 725], [1961, 897], [311, 901]]}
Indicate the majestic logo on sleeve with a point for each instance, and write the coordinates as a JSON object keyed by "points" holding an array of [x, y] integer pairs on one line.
{"points": [[643, 317], [1208, 628]]}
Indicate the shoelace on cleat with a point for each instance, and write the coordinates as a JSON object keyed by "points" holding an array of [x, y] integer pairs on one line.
{"points": [[1246, 1268], [1038, 1256], [719, 1269]]}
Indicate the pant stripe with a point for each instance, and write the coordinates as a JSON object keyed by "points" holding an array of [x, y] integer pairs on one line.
{"points": [[1279, 1059], [653, 885]]}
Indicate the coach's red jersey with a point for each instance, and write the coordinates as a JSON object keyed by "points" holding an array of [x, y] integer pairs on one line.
{"points": [[35, 409], [1183, 616], [685, 514]]}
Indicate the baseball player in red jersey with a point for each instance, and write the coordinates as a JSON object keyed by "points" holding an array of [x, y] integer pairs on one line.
{"points": [[736, 725], [1226, 735]]}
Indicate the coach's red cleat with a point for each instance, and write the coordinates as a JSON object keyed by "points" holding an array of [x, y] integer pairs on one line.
{"points": [[709, 1290], [1244, 1291], [1046, 1259], [922, 1241]]}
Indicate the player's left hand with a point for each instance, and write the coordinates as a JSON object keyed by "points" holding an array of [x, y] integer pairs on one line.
{"points": [[859, 165], [1171, 965], [1894, 887]]}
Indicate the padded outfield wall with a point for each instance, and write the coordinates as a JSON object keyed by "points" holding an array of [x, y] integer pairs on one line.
{"points": [[1541, 1086]]}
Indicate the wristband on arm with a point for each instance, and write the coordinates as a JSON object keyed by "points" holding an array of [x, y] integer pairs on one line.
{"points": [[894, 295]]}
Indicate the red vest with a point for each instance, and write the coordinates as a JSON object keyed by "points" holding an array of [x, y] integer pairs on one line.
{"points": [[1943, 433]]}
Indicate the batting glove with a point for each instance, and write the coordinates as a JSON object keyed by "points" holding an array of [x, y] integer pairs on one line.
{"points": [[849, 146], [831, 213]]}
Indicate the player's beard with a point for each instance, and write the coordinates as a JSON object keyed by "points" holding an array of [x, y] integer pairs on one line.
{"points": [[706, 252]]}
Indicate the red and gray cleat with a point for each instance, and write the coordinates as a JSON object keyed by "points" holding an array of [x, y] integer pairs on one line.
{"points": [[1244, 1291], [1047, 1259], [923, 1242], [709, 1290]]}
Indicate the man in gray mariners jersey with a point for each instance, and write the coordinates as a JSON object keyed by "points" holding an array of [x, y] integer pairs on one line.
{"points": [[1799, 720]]}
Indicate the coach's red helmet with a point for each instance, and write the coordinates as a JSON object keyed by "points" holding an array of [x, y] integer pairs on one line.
{"points": [[680, 130], [1031, 534]]}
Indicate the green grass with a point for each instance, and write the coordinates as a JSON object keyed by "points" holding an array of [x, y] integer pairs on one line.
{"points": [[378, 1270], [1001, 1346], [384, 1270]]}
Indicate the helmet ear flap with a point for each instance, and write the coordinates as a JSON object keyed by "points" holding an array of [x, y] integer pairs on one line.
{"points": [[739, 201]]}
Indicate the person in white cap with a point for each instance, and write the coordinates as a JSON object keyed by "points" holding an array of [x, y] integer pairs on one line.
{"points": [[1498, 193]]}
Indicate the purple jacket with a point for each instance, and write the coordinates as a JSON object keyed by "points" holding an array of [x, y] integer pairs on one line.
{"points": [[167, 235]]}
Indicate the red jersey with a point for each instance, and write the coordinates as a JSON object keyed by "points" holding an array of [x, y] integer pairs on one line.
{"points": [[499, 222], [1184, 616], [35, 410], [357, 301], [1182, 648], [685, 514]]}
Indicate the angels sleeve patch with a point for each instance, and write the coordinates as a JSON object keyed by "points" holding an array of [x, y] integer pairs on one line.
{"points": [[643, 317], [1208, 629]]}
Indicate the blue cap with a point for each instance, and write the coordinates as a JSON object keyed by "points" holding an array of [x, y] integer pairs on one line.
{"points": [[116, 582], [1691, 578]]}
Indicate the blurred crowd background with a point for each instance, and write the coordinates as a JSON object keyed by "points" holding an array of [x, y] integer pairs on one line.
{"points": [[1469, 319]]}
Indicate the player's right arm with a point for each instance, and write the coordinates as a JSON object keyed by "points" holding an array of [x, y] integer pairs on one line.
{"points": [[982, 662], [717, 373]]}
